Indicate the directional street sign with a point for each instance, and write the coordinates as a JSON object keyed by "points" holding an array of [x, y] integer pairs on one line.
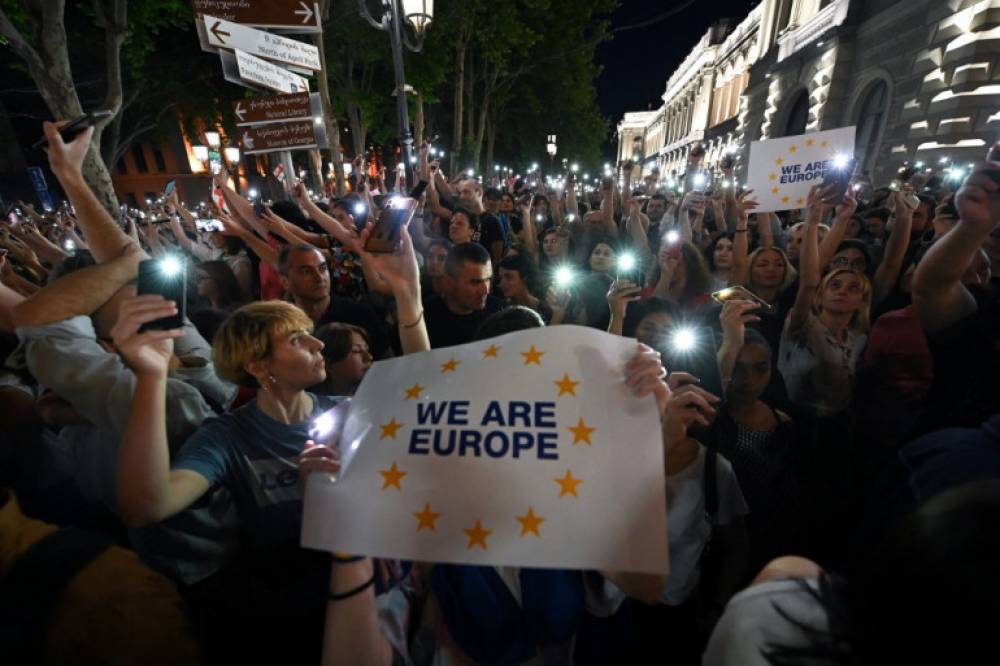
{"points": [[255, 72], [286, 15], [224, 34], [277, 108], [282, 136]]}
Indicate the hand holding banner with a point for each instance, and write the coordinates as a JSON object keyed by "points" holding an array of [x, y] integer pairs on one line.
{"points": [[522, 450], [782, 171]]}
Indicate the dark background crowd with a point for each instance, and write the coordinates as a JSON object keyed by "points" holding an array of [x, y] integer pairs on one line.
{"points": [[827, 379]]}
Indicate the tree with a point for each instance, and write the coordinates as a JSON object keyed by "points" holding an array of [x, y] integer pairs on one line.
{"points": [[36, 32]]}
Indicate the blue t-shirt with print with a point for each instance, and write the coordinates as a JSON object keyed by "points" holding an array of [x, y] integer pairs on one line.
{"points": [[256, 458]]}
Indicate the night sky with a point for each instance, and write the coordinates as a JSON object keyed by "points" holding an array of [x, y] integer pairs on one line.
{"points": [[638, 62]]}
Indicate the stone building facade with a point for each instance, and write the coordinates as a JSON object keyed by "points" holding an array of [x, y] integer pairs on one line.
{"points": [[920, 79]]}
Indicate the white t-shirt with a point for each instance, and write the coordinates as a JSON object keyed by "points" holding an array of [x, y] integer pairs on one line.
{"points": [[751, 622], [817, 368], [688, 528]]}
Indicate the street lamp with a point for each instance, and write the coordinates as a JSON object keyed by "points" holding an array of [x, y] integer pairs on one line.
{"points": [[419, 13]]}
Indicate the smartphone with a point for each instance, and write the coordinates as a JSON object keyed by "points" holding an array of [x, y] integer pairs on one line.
{"points": [[258, 208], [739, 293], [168, 189], [69, 131], [692, 349], [628, 268], [207, 225], [385, 233], [166, 277], [696, 180], [837, 180]]}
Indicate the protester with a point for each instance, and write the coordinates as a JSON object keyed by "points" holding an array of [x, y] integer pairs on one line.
{"points": [[453, 315]]}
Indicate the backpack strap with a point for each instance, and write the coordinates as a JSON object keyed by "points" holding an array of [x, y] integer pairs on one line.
{"points": [[35, 584]]}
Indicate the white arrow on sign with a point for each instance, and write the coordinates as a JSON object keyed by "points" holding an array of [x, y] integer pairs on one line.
{"points": [[306, 12], [239, 110], [247, 142], [289, 52]]}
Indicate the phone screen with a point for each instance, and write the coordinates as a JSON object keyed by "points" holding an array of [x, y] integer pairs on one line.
{"points": [[385, 234], [838, 179], [165, 277], [69, 131], [693, 350], [169, 188], [739, 293]]}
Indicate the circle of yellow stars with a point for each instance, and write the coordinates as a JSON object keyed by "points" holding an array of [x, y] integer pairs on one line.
{"points": [[529, 522], [773, 176]]}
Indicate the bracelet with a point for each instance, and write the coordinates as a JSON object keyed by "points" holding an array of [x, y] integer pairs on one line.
{"points": [[350, 593], [419, 319]]}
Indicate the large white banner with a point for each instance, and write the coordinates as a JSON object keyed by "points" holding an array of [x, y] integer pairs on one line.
{"points": [[524, 450], [782, 171]]}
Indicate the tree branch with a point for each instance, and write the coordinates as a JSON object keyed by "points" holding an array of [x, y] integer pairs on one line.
{"points": [[18, 43]]}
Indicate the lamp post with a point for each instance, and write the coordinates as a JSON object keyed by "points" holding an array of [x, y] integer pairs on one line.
{"points": [[550, 147], [419, 14]]}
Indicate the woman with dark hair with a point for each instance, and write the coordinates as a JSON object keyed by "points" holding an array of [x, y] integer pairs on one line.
{"points": [[719, 255], [347, 355], [232, 250], [556, 251], [756, 437], [217, 284], [681, 275], [463, 227], [601, 256]]}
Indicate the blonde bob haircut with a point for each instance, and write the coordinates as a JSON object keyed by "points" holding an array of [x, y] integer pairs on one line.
{"points": [[248, 335], [859, 320], [790, 272]]}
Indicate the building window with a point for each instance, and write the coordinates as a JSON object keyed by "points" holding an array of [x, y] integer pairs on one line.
{"points": [[121, 168], [161, 164], [869, 123], [140, 159], [798, 116]]}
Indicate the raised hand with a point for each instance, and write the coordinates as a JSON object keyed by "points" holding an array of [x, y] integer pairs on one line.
{"points": [[734, 317], [66, 159], [620, 294], [147, 353], [645, 375], [978, 200]]}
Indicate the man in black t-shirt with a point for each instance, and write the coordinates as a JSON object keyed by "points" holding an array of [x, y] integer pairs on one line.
{"points": [[470, 195], [453, 316]]}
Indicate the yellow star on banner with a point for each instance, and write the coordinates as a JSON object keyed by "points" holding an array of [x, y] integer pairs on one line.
{"points": [[530, 522], [784, 200], [568, 484], [810, 142], [779, 162], [389, 429], [392, 477], [413, 392], [800, 201], [824, 144], [491, 351], [581, 433], [450, 365], [533, 356], [775, 190], [566, 385], [426, 518], [792, 149], [773, 176], [477, 535]]}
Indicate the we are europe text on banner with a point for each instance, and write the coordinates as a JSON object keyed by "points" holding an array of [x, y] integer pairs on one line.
{"points": [[782, 171], [523, 450]]}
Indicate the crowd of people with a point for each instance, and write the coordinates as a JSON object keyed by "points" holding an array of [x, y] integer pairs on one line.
{"points": [[831, 464]]}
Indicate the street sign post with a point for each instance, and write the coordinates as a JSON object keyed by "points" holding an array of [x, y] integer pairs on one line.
{"points": [[277, 108], [222, 34], [286, 15], [276, 137]]}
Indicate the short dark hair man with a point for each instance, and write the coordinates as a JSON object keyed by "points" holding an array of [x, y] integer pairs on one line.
{"points": [[305, 275], [453, 316], [470, 196]]}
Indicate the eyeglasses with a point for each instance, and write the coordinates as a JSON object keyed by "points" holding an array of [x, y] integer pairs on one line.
{"points": [[855, 264]]}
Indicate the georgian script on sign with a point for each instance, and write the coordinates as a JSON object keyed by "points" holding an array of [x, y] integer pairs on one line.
{"points": [[287, 15], [261, 72], [276, 108], [279, 136], [291, 52]]}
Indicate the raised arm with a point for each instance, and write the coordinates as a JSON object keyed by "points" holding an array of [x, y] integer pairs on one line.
{"points": [[809, 268], [608, 211], [231, 227], [78, 293], [895, 251], [105, 237], [834, 237], [636, 225], [148, 491], [939, 296]]}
